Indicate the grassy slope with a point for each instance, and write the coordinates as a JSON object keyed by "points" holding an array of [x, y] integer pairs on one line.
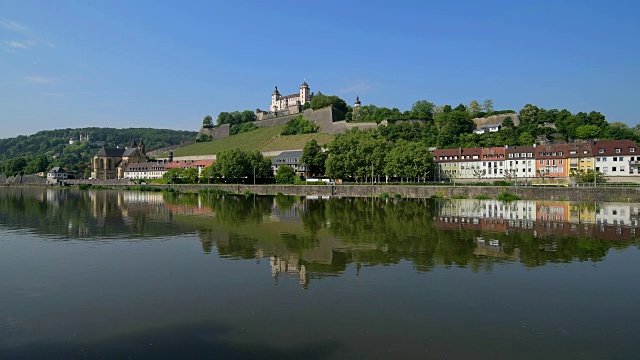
{"points": [[263, 139]]}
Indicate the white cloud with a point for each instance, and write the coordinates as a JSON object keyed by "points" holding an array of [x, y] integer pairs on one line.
{"points": [[38, 79], [21, 44], [13, 26], [357, 87]]}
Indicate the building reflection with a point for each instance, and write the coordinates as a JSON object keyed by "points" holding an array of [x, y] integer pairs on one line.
{"points": [[606, 221]]}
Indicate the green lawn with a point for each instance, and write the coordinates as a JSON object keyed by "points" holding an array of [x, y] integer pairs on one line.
{"points": [[263, 139]]}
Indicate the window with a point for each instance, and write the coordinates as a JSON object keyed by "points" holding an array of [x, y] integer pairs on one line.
{"points": [[632, 149], [510, 156], [572, 152], [622, 168], [600, 151], [613, 169], [615, 158], [617, 150], [529, 154], [541, 162], [585, 152], [621, 158], [560, 161]]}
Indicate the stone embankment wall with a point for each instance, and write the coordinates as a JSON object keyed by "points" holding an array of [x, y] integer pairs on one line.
{"points": [[470, 192], [22, 180], [630, 194], [109, 182]]}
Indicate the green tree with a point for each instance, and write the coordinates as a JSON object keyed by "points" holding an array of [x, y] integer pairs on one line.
{"points": [[587, 176], [173, 175], [211, 173], [487, 106], [207, 121], [234, 164], [260, 166], [526, 139], [474, 108], [190, 176], [285, 175], [314, 158], [40, 163], [423, 110], [320, 101], [587, 132]]}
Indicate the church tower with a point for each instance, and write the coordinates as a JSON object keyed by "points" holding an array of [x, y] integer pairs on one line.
{"points": [[305, 94], [275, 97], [357, 103]]}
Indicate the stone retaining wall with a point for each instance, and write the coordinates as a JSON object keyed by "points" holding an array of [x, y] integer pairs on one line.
{"points": [[470, 192], [22, 180]]}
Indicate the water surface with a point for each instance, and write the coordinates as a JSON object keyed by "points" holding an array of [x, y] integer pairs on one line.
{"points": [[108, 274]]}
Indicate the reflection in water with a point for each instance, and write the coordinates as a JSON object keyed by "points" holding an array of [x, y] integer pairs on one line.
{"points": [[315, 238]]}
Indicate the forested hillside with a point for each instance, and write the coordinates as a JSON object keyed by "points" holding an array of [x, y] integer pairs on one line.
{"points": [[44, 149]]}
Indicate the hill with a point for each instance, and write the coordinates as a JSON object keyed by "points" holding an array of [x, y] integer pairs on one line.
{"points": [[52, 142], [263, 139]]}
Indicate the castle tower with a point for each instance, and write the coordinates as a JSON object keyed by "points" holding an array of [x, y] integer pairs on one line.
{"points": [[305, 94], [275, 97], [357, 103]]}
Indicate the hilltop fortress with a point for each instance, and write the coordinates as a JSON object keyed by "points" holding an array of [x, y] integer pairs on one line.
{"points": [[287, 107]]}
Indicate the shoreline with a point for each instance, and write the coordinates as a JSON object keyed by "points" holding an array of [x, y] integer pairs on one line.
{"points": [[578, 194]]}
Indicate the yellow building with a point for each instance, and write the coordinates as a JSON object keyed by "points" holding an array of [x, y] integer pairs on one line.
{"points": [[109, 163]]}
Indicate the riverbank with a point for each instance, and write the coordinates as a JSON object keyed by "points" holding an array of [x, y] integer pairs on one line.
{"points": [[604, 193], [585, 194]]}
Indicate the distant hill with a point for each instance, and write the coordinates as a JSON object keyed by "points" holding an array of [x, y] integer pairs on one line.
{"points": [[263, 139], [54, 142]]}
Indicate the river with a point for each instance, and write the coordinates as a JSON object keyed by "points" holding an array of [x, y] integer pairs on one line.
{"points": [[117, 274]]}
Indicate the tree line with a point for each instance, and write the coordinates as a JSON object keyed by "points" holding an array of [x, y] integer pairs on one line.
{"points": [[45, 149]]}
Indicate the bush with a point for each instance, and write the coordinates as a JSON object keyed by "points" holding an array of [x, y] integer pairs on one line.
{"points": [[384, 195], [286, 175], [84, 186], [501, 183], [483, 197], [507, 196], [299, 125], [458, 196]]}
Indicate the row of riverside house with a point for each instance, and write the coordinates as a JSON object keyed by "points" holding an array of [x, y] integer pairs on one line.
{"points": [[619, 160]]}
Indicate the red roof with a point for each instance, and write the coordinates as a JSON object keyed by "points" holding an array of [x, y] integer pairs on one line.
{"points": [[203, 163], [609, 147]]}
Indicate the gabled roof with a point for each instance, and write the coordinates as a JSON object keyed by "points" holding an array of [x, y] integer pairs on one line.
{"points": [[204, 163], [609, 147], [56, 169], [286, 156], [129, 151], [521, 149], [110, 152]]}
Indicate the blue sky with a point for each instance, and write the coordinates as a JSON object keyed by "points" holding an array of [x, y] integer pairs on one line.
{"points": [[68, 64]]}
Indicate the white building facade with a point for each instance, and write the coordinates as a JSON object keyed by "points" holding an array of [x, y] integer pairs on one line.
{"points": [[283, 102]]}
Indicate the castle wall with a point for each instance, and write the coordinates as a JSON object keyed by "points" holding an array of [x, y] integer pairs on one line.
{"points": [[496, 119], [219, 132]]}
